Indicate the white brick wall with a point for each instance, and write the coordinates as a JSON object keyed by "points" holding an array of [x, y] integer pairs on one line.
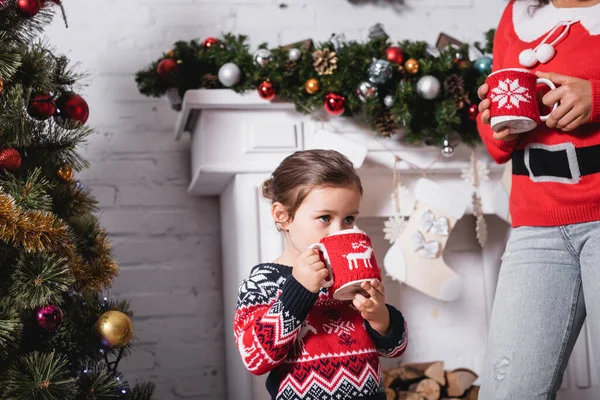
{"points": [[167, 242]]}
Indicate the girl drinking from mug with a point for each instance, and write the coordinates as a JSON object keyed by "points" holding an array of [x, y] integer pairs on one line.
{"points": [[287, 322]]}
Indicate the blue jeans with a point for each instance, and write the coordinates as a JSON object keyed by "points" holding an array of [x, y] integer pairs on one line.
{"points": [[548, 276]]}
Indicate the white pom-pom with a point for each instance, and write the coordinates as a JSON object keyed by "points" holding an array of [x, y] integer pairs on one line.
{"points": [[545, 53], [527, 58]]}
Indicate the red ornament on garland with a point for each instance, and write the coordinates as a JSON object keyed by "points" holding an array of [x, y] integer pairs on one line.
{"points": [[473, 112], [29, 8], [335, 104], [71, 107], [166, 67], [394, 54], [209, 42], [49, 317], [10, 159], [266, 90], [41, 107]]}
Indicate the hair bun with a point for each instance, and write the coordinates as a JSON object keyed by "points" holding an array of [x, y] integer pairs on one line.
{"points": [[267, 189]]}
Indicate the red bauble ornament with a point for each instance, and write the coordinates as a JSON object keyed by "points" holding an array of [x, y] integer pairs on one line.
{"points": [[266, 90], [209, 42], [166, 67], [29, 7], [10, 159], [473, 111], [49, 317], [71, 107], [394, 55], [335, 104], [41, 107]]}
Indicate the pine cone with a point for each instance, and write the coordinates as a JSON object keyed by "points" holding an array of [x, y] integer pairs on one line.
{"points": [[385, 124], [325, 61], [210, 81], [290, 67], [455, 86]]}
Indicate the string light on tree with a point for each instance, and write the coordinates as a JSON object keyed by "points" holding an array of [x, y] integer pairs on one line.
{"points": [[473, 112]]}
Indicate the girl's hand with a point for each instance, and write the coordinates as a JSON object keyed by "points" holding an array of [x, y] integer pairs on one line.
{"points": [[484, 109], [373, 308], [575, 97], [310, 271]]}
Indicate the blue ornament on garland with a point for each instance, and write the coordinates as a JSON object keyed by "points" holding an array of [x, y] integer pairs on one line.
{"points": [[483, 65]]}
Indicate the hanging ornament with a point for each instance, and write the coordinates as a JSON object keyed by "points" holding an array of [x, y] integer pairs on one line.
{"points": [[10, 159], [473, 112], [266, 90], [325, 61], [447, 149], [428, 87], [388, 101], [483, 65], [366, 90], [294, 54], [335, 104], [312, 86], [209, 42], [49, 317], [393, 228], [380, 71], [411, 66], [41, 107], [71, 108], [377, 32], [262, 57], [65, 173], [166, 67], [114, 328], [394, 54], [229, 74], [29, 8]]}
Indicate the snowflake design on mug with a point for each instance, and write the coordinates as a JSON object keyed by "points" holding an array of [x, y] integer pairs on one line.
{"points": [[510, 93]]}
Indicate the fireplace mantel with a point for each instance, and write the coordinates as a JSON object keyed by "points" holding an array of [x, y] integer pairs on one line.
{"points": [[238, 140]]}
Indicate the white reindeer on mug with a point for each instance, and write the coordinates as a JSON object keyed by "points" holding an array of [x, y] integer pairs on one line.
{"points": [[365, 256]]}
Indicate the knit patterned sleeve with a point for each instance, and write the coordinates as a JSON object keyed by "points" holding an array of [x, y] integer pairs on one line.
{"points": [[595, 117], [394, 343], [268, 317]]}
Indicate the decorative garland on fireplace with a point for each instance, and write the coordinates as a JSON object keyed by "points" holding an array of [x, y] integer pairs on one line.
{"points": [[429, 93]]}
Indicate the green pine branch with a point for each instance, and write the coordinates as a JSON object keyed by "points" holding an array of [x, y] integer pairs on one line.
{"points": [[10, 335], [29, 193]]}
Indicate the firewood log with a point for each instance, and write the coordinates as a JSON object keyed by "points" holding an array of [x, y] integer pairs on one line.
{"points": [[435, 371], [390, 394], [429, 388], [472, 393], [410, 396], [459, 380]]}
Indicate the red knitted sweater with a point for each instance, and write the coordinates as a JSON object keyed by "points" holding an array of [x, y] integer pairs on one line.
{"points": [[549, 201], [314, 347]]}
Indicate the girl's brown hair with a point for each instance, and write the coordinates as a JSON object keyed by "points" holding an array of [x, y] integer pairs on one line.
{"points": [[302, 171]]}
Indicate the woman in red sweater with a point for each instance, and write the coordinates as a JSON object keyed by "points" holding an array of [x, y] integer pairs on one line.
{"points": [[551, 265]]}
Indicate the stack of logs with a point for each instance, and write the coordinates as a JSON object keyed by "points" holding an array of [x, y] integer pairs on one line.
{"points": [[429, 381]]}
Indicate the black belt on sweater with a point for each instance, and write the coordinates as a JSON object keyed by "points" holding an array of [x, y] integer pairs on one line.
{"points": [[561, 163]]}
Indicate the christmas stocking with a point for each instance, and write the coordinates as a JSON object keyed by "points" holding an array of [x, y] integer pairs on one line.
{"points": [[415, 258]]}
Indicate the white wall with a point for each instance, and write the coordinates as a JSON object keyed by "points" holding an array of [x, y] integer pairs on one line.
{"points": [[166, 242]]}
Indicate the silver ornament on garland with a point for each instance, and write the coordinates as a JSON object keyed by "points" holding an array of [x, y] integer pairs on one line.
{"points": [[366, 90], [294, 54], [388, 101], [262, 57], [380, 71], [428, 87], [447, 149], [229, 74]]}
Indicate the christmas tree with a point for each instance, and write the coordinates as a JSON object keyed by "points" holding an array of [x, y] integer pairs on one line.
{"points": [[59, 337]]}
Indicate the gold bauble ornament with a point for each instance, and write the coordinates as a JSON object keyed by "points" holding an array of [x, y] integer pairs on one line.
{"points": [[411, 66], [312, 86], [65, 173], [114, 328]]}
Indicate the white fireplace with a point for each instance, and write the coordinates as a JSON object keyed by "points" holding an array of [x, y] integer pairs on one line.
{"points": [[238, 140]]}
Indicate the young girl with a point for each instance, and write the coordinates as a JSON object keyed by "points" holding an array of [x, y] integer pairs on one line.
{"points": [[286, 323]]}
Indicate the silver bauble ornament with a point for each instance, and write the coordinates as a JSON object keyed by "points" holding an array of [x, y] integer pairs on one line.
{"points": [[262, 57], [229, 74], [294, 54], [388, 100], [447, 149], [380, 71], [428, 87], [366, 90]]}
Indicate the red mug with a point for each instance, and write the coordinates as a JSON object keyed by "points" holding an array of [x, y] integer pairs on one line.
{"points": [[350, 259], [513, 93]]}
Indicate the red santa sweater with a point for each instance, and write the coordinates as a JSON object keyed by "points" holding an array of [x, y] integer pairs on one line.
{"points": [[314, 347], [556, 179]]}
